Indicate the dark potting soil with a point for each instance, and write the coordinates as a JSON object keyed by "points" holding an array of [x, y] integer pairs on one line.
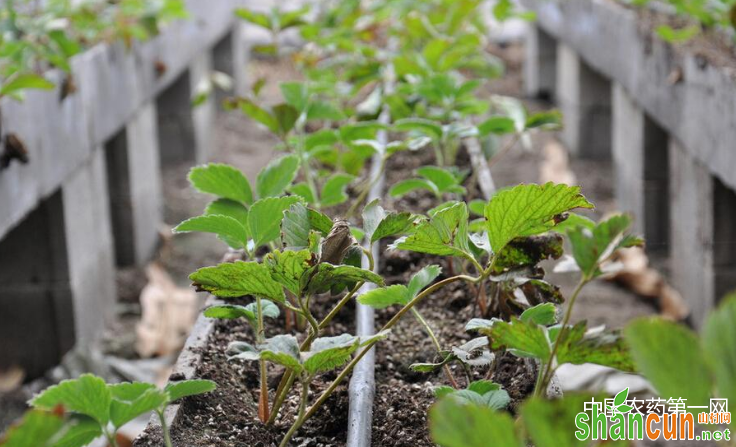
{"points": [[228, 417], [403, 397]]}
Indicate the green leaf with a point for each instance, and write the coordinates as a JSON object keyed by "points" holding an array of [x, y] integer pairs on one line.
{"points": [[379, 224], [286, 117], [522, 338], [280, 349], [719, 346], [131, 400], [186, 388], [227, 207], [406, 186], [277, 176], [232, 311], [498, 125], [496, 399], [591, 247], [423, 278], [328, 353], [288, 267], [264, 218], [333, 191], [229, 229], [297, 224], [551, 422], [672, 35], [253, 17], [577, 346], [526, 210], [383, 297], [36, 429], [304, 191], [83, 431], [25, 81], [223, 181], [295, 94], [88, 395], [259, 114], [669, 356], [444, 234], [421, 125], [544, 314], [453, 424], [238, 279], [327, 275], [441, 178], [550, 120], [320, 110]]}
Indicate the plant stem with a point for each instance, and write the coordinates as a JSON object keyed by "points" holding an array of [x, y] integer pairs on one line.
{"points": [[164, 428], [364, 193], [110, 438], [287, 380], [263, 371], [344, 373], [546, 369], [300, 415], [436, 343], [498, 155]]}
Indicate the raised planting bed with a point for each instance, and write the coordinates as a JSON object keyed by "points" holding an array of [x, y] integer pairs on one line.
{"points": [[663, 113]]}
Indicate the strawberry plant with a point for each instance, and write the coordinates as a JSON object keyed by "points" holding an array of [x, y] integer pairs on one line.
{"points": [[243, 218], [275, 21], [76, 412], [667, 354], [436, 180], [506, 254], [319, 256]]}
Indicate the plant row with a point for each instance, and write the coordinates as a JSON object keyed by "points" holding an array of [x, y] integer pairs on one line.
{"points": [[39, 35]]}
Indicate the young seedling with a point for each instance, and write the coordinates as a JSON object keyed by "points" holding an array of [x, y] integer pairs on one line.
{"points": [[100, 409], [241, 218], [275, 22], [438, 181], [305, 268]]}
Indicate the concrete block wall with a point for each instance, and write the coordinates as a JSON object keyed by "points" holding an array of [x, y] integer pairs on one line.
{"points": [[90, 196], [665, 116]]}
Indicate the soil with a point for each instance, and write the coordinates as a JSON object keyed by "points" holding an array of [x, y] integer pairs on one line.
{"points": [[227, 417]]}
